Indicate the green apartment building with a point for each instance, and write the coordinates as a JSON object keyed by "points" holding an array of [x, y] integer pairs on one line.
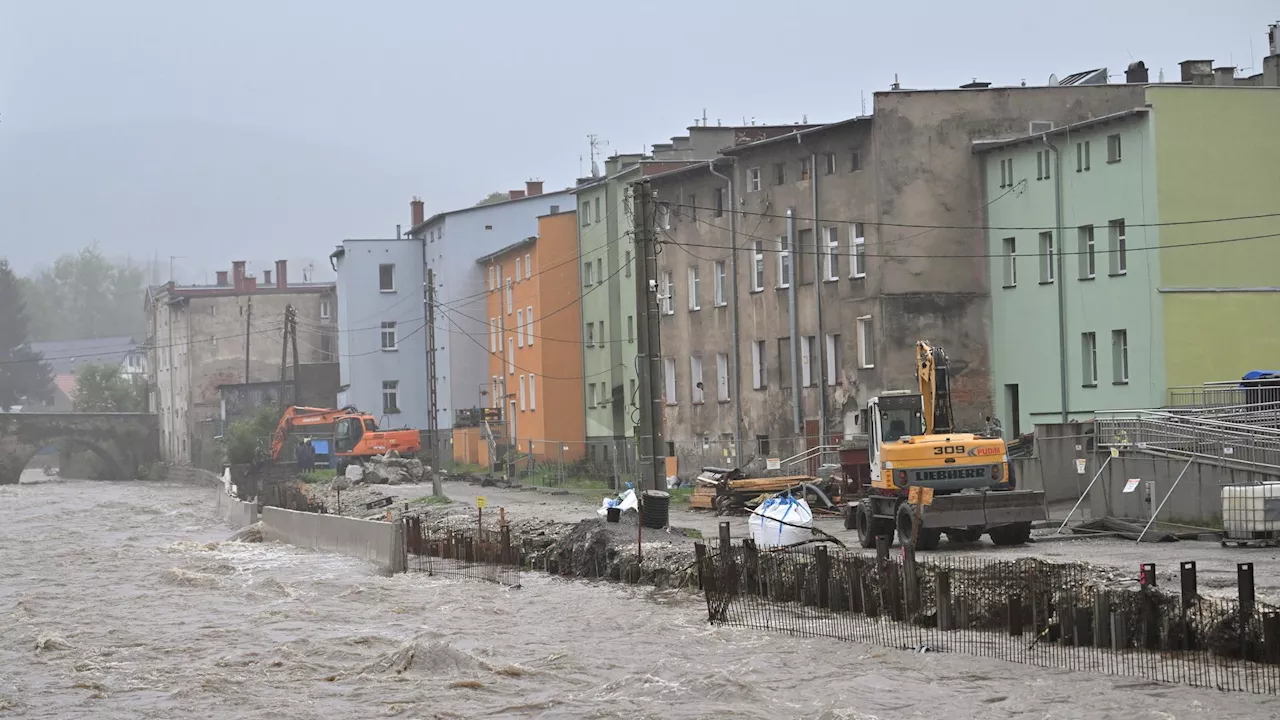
{"points": [[1128, 255], [1133, 253]]}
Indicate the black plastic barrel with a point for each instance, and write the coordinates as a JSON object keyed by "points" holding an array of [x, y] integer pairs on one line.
{"points": [[655, 509], [612, 514]]}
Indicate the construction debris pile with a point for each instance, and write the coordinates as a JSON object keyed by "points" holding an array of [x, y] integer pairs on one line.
{"points": [[730, 491], [389, 469]]}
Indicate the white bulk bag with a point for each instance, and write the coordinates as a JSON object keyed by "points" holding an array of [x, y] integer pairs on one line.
{"points": [[766, 530]]}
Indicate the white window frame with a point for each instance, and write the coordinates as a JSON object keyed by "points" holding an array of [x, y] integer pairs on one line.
{"points": [[858, 252], [493, 335], [518, 263], [1118, 249], [721, 283], [1009, 246], [491, 275], [627, 264], [1048, 272], [757, 267], [833, 250], [528, 326], [631, 328], [528, 265], [1089, 359], [664, 216], [508, 295], [694, 280], [753, 179], [392, 287], [669, 293], [1088, 257], [1120, 357], [722, 377], [600, 276], [696, 394], [520, 327], [1114, 148], [392, 393], [586, 274], [388, 336], [669, 378], [833, 358], [601, 342], [784, 262], [806, 360], [866, 343], [589, 336], [324, 310], [511, 356], [533, 395], [591, 394], [759, 365], [522, 406]]}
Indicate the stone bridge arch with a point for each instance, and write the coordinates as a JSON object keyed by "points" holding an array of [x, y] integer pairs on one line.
{"points": [[122, 441]]}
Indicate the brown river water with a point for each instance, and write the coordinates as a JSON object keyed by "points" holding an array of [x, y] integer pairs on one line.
{"points": [[127, 601]]}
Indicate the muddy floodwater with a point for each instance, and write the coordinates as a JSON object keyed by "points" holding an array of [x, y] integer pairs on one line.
{"points": [[127, 601]]}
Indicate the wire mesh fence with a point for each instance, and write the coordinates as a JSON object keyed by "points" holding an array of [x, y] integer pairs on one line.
{"points": [[476, 554], [1066, 616]]}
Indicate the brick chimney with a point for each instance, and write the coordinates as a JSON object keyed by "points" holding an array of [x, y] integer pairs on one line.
{"points": [[222, 278], [282, 274], [533, 187], [237, 275], [266, 278], [515, 194], [417, 212], [1136, 73], [250, 283]]}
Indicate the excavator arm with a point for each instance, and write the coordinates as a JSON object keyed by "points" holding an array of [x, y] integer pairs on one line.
{"points": [[933, 373]]}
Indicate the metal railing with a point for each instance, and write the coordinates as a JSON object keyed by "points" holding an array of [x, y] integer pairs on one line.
{"points": [[1225, 393], [1189, 435], [816, 456]]}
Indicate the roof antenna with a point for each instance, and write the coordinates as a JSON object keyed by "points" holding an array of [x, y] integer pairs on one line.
{"points": [[895, 85], [863, 95]]}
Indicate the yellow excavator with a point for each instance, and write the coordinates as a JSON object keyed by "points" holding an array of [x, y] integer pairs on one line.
{"points": [[912, 442]]}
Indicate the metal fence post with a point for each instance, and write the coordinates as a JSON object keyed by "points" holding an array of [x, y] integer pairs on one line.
{"points": [[942, 579]]}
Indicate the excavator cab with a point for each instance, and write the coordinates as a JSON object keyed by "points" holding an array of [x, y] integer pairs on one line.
{"points": [[347, 433]]}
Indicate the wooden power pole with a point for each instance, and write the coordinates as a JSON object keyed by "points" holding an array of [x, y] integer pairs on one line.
{"points": [[433, 423], [650, 443], [248, 324]]}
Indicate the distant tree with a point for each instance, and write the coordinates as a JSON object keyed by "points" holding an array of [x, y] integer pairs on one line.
{"points": [[23, 375], [85, 295], [248, 440], [103, 388], [494, 197]]}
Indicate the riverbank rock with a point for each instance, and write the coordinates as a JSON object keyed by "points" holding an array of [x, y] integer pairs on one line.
{"points": [[391, 469]]}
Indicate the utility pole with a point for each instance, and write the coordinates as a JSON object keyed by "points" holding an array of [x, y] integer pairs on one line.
{"points": [[433, 424], [651, 444], [293, 340], [248, 323], [284, 351]]}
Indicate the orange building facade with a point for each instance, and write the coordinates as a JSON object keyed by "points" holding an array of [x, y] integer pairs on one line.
{"points": [[535, 342]]}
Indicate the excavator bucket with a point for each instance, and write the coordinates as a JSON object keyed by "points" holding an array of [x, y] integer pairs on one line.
{"points": [[985, 509]]}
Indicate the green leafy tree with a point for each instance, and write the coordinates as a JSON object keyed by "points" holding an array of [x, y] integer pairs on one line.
{"points": [[23, 375], [103, 388], [86, 295], [249, 440], [496, 196]]}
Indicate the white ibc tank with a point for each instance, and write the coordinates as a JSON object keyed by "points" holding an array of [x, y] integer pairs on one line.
{"points": [[767, 522], [1248, 509]]}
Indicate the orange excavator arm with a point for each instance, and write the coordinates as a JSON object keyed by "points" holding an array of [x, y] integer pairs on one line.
{"points": [[295, 415]]}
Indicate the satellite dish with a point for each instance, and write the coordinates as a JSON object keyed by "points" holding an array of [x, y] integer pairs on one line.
{"points": [[1053, 79]]}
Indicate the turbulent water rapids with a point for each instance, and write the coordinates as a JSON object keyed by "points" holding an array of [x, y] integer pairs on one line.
{"points": [[127, 601]]}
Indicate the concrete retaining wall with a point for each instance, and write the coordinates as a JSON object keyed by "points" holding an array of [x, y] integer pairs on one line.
{"points": [[1197, 498], [377, 542], [234, 512], [198, 476]]}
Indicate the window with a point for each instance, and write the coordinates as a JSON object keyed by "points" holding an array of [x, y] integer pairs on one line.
{"points": [[668, 293], [664, 216], [1087, 259], [721, 284], [1113, 148], [511, 356], [784, 362], [779, 173], [753, 179], [599, 216], [633, 392], [627, 264], [719, 202], [693, 288], [491, 278], [833, 253], [784, 261], [387, 278], [1010, 247], [533, 395], [1046, 258], [695, 379], [1119, 357], [591, 394], [600, 271], [495, 390], [722, 377], [808, 359], [602, 336], [1117, 249], [1006, 173], [521, 393], [388, 336], [508, 296], [804, 169], [528, 326], [1089, 358], [586, 274], [858, 266], [762, 445], [586, 213], [1039, 165], [1082, 156], [528, 265], [669, 375], [692, 207], [631, 328], [866, 342], [324, 309], [759, 373], [390, 396], [855, 161], [833, 359], [590, 335], [757, 274], [519, 328], [831, 163], [517, 269], [493, 335]]}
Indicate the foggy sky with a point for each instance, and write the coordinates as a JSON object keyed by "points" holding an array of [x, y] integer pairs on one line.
{"points": [[258, 130]]}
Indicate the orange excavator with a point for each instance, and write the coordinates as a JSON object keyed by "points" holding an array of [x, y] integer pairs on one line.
{"points": [[356, 435]]}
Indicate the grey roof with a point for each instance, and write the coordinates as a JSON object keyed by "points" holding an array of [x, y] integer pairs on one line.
{"points": [[982, 146], [67, 356]]}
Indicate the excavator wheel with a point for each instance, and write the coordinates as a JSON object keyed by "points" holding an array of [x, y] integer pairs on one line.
{"points": [[925, 538], [869, 527], [964, 536], [1006, 535], [850, 517]]}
